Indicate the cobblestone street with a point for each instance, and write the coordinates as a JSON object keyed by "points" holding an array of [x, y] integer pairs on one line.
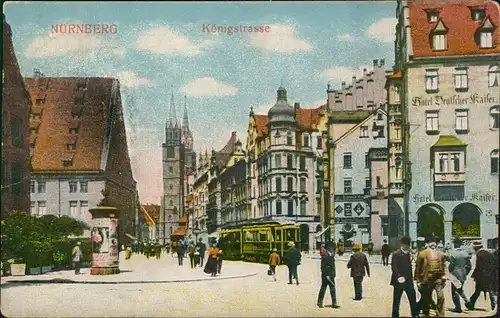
{"points": [[250, 296]]}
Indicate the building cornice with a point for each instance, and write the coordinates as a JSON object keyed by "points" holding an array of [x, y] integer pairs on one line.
{"points": [[471, 59]]}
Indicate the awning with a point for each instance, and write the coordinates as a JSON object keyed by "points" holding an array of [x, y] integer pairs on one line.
{"points": [[179, 232], [130, 236], [322, 232], [449, 141]]}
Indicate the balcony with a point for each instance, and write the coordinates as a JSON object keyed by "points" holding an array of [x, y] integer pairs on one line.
{"points": [[449, 178]]}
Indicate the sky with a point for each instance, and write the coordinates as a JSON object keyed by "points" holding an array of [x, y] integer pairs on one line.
{"points": [[159, 48]]}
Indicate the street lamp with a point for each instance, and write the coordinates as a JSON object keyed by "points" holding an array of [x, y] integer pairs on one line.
{"points": [[196, 230]]}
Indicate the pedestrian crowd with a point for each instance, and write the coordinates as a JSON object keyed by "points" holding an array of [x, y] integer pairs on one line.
{"points": [[430, 273]]}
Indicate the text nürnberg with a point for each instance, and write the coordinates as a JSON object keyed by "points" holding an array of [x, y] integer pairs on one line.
{"points": [[230, 30], [85, 28], [439, 100]]}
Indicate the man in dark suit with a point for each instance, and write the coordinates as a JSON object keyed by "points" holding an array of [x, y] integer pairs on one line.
{"points": [[328, 275], [458, 268], [293, 261], [386, 251], [357, 264], [484, 274], [402, 278]]}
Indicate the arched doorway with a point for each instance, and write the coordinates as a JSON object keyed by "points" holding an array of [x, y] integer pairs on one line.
{"points": [[430, 222], [394, 228], [304, 237], [466, 221]]}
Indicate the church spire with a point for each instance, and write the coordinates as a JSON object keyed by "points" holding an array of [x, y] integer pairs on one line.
{"points": [[185, 119], [172, 120]]}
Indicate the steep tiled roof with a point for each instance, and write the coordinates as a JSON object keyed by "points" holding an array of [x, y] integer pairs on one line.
{"points": [[56, 99], [457, 17], [261, 122], [308, 118], [230, 145], [151, 212]]}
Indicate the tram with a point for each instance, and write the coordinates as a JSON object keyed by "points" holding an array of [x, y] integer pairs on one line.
{"points": [[254, 241]]}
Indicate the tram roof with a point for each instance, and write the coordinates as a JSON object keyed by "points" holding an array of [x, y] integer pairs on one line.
{"points": [[257, 223]]}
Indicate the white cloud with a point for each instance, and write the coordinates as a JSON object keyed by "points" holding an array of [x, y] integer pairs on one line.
{"points": [[384, 30], [208, 86], [62, 44], [163, 40], [130, 79], [318, 103], [335, 75], [281, 38], [119, 52], [347, 38]]}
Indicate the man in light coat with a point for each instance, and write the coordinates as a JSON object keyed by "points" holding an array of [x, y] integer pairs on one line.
{"points": [[77, 258], [459, 267]]}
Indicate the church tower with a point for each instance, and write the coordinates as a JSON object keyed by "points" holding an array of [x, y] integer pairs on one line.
{"points": [[173, 156], [189, 154]]}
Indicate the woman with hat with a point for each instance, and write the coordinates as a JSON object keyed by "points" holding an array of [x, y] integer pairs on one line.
{"points": [[274, 260]]}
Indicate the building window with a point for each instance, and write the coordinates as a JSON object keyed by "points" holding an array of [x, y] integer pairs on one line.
{"points": [[39, 101], [431, 80], [41, 187], [278, 184], [73, 209], [71, 146], [171, 203], [170, 169], [439, 42], [42, 207], [278, 207], [379, 183], [367, 161], [494, 161], [477, 14], [397, 99], [485, 39], [363, 132], [290, 208], [84, 186], [449, 162], [170, 152], [347, 161], [348, 186], [84, 207], [319, 142], [302, 185], [72, 186], [432, 16], [33, 208], [432, 121], [348, 209], [290, 184], [32, 186], [367, 183], [302, 207], [461, 83], [302, 163], [461, 120], [289, 161], [493, 76], [15, 130], [289, 139], [277, 161], [306, 140], [495, 117]]}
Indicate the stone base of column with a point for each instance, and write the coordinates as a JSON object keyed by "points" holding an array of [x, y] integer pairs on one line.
{"points": [[104, 271]]}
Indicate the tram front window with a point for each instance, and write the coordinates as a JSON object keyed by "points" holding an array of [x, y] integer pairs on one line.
{"points": [[290, 235]]}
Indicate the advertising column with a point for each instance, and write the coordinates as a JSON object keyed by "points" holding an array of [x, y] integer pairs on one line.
{"points": [[104, 241]]}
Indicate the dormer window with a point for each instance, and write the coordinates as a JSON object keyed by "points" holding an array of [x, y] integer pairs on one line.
{"points": [[484, 34], [71, 146], [477, 14], [439, 37], [432, 16]]}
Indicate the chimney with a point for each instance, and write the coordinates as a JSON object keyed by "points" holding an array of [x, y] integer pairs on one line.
{"points": [[382, 63], [364, 72], [343, 85], [36, 73], [233, 134], [354, 81], [296, 105], [375, 63]]}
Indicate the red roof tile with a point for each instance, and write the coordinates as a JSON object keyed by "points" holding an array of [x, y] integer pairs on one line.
{"points": [[56, 120], [261, 122], [308, 118], [457, 17]]}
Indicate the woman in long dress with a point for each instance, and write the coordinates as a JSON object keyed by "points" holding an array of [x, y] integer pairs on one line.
{"points": [[211, 266]]}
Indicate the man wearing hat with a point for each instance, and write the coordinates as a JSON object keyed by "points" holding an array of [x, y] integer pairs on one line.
{"points": [[328, 275], [402, 278], [357, 263], [485, 275], [458, 269], [386, 251], [292, 262], [430, 275], [77, 258], [274, 260]]}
